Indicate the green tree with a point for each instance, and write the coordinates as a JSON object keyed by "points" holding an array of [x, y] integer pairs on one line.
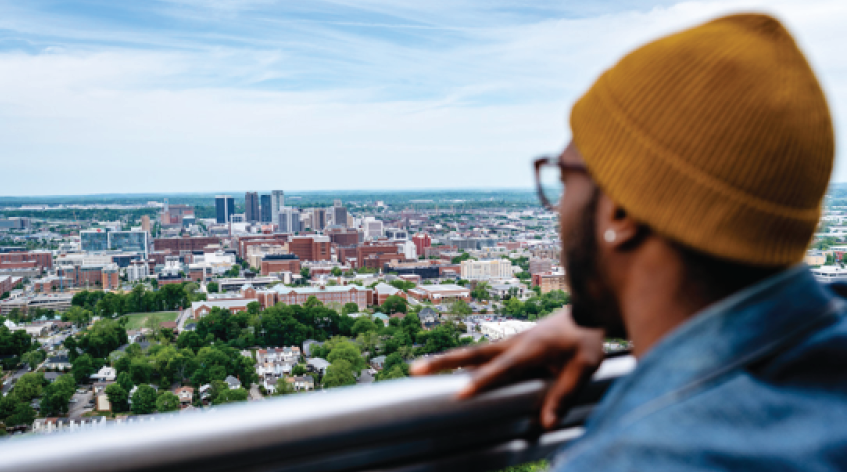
{"points": [[230, 395], [403, 284], [339, 374], [284, 387], [348, 352], [460, 308], [167, 402], [23, 415], [363, 324], [336, 272], [144, 399], [33, 358], [350, 307], [125, 381], [304, 272], [298, 370], [118, 397], [212, 287], [394, 304], [83, 367], [57, 395], [29, 386]]}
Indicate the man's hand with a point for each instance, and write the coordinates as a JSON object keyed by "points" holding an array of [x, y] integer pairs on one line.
{"points": [[556, 346]]}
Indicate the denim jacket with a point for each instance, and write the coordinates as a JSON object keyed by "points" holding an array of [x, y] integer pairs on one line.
{"points": [[754, 382]]}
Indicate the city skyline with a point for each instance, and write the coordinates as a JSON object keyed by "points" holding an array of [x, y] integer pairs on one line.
{"points": [[305, 92]]}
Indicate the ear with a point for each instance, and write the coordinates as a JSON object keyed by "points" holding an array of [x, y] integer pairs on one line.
{"points": [[616, 229]]}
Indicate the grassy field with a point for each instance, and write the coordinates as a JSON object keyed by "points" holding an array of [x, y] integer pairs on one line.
{"points": [[136, 321]]}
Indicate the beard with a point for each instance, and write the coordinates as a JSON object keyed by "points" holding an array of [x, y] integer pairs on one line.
{"points": [[593, 304]]}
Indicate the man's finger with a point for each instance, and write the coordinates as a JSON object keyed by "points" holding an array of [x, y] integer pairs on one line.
{"points": [[463, 357], [499, 370], [561, 392]]}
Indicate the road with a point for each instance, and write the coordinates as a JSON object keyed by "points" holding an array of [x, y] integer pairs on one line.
{"points": [[181, 319], [75, 409], [10, 381], [254, 394]]}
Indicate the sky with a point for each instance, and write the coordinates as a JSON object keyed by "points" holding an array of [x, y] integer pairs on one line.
{"points": [[168, 96]]}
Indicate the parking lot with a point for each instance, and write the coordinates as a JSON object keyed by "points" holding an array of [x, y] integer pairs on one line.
{"points": [[77, 408]]}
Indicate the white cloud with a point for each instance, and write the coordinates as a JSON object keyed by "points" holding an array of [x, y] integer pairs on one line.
{"points": [[338, 109]]}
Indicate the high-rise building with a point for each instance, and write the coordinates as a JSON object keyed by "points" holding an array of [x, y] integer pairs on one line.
{"points": [[373, 229], [251, 207], [277, 202], [289, 220], [265, 208], [319, 219], [224, 208], [339, 213], [145, 223], [98, 239]]}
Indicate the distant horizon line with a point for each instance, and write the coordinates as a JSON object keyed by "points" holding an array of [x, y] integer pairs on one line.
{"points": [[287, 192]]}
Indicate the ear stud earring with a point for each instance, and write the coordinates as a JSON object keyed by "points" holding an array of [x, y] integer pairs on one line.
{"points": [[609, 236]]}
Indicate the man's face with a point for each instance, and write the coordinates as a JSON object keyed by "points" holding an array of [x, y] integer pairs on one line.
{"points": [[593, 303]]}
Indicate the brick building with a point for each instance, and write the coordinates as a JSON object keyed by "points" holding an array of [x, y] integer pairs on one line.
{"points": [[548, 281], [375, 254], [538, 266], [342, 294], [310, 248], [440, 293], [278, 239], [279, 263], [422, 241], [347, 237], [8, 283], [177, 244], [26, 260], [110, 277]]}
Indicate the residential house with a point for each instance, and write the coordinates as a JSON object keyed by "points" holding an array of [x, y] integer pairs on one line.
{"points": [[429, 318], [232, 382], [186, 395], [381, 316], [378, 362], [58, 363], [105, 374], [318, 365], [205, 392], [304, 383]]}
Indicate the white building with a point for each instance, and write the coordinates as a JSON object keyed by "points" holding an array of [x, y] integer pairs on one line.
{"points": [[828, 274], [277, 203], [481, 270], [501, 330], [137, 271], [373, 229]]}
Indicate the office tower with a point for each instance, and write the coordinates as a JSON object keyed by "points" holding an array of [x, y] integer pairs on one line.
{"points": [[339, 213], [373, 229], [277, 203], [94, 240], [319, 219], [224, 208], [145, 223], [289, 220], [251, 207], [265, 209]]}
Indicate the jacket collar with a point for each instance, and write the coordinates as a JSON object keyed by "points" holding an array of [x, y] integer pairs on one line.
{"points": [[737, 330]]}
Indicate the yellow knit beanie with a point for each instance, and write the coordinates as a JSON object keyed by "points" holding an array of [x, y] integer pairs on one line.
{"points": [[717, 137]]}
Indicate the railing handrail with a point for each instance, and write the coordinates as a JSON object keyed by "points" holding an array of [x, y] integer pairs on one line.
{"points": [[410, 423]]}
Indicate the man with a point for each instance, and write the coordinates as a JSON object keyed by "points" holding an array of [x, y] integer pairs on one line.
{"points": [[693, 183]]}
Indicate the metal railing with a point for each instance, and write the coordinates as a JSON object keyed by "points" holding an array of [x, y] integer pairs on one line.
{"points": [[409, 424]]}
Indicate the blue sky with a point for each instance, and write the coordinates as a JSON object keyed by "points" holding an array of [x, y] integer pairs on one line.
{"points": [[211, 95]]}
